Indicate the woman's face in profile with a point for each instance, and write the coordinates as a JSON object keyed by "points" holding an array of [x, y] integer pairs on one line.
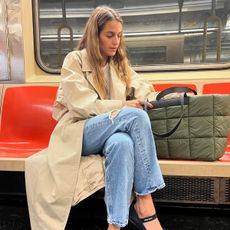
{"points": [[109, 38]]}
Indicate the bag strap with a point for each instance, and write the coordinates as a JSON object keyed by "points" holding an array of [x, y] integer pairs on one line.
{"points": [[184, 91], [182, 97], [176, 89]]}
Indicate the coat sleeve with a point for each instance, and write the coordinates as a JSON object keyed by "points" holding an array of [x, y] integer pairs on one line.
{"points": [[80, 98], [142, 88]]}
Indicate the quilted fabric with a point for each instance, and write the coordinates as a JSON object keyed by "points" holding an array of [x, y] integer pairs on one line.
{"points": [[202, 133]]}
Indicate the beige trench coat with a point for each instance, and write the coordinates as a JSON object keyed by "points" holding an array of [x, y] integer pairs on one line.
{"points": [[58, 177]]}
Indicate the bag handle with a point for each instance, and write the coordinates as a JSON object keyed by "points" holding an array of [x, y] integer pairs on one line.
{"points": [[175, 89], [182, 96], [184, 91]]}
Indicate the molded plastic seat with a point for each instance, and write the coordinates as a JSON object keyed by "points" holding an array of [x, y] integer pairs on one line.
{"points": [[27, 122], [161, 86], [216, 88], [219, 88], [226, 156]]}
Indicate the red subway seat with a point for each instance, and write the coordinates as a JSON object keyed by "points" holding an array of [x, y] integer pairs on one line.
{"points": [[219, 88], [216, 88], [26, 121], [161, 86]]}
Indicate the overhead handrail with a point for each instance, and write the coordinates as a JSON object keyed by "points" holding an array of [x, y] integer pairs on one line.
{"points": [[64, 26], [180, 4], [212, 18]]}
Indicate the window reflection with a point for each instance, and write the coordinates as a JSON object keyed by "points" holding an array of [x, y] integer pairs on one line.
{"points": [[4, 69], [158, 33]]}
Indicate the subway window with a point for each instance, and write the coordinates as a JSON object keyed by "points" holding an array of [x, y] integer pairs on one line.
{"points": [[4, 69], [11, 43], [160, 35]]}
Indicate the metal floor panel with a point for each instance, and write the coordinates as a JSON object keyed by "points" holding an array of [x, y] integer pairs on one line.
{"points": [[91, 215]]}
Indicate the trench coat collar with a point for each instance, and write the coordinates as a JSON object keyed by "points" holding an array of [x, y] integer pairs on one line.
{"points": [[86, 67], [117, 87]]}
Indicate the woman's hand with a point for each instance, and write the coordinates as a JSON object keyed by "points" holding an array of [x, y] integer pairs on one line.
{"points": [[137, 104]]}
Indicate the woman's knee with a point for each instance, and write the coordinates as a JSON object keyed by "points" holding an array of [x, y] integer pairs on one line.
{"points": [[139, 114], [120, 142]]}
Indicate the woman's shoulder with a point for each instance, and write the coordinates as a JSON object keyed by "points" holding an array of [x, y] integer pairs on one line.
{"points": [[76, 54], [75, 57]]}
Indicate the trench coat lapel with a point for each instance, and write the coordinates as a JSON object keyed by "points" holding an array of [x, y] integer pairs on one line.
{"points": [[87, 70], [89, 77], [117, 87]]}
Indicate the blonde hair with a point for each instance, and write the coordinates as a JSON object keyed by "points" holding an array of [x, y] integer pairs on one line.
{"points": [[90, 40]]}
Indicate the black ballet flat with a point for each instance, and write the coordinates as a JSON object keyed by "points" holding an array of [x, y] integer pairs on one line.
{"points": [[138, 222]]}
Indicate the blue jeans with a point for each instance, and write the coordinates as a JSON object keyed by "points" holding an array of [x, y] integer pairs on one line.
{"points": [[131, 163]]}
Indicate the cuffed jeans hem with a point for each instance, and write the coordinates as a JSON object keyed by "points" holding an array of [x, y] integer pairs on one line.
{"points": [[151, 190], [121, 225]]}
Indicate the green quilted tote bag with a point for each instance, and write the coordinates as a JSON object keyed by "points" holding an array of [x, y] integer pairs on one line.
{"points": [[190, 127]]}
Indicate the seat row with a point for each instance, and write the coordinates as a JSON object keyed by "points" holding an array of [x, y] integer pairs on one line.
{"points": [[27, 123]]}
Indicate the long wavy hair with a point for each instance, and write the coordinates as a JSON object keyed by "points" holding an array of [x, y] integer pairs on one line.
{"points": [[90, 40]]}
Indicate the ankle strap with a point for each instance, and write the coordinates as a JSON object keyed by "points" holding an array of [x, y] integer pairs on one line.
{"points": [[149, 218]]}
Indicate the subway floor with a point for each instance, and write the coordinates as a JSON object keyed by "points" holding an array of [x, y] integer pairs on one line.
{"points": [[91, 215]]}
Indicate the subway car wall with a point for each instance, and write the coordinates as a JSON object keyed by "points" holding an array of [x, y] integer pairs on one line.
{"points": [[170, 41]]}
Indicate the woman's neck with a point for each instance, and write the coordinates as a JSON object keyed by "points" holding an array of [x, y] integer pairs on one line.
{"points": [[105, 61]]}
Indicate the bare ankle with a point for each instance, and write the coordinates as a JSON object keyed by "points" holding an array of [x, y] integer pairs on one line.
{"points": [[113, 227], [144, 206]]}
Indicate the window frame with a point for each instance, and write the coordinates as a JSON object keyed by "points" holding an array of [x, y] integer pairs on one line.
{"points": [[138, 68]]}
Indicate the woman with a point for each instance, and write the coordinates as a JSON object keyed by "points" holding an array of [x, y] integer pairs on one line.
{"points": [[99, 108]]}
